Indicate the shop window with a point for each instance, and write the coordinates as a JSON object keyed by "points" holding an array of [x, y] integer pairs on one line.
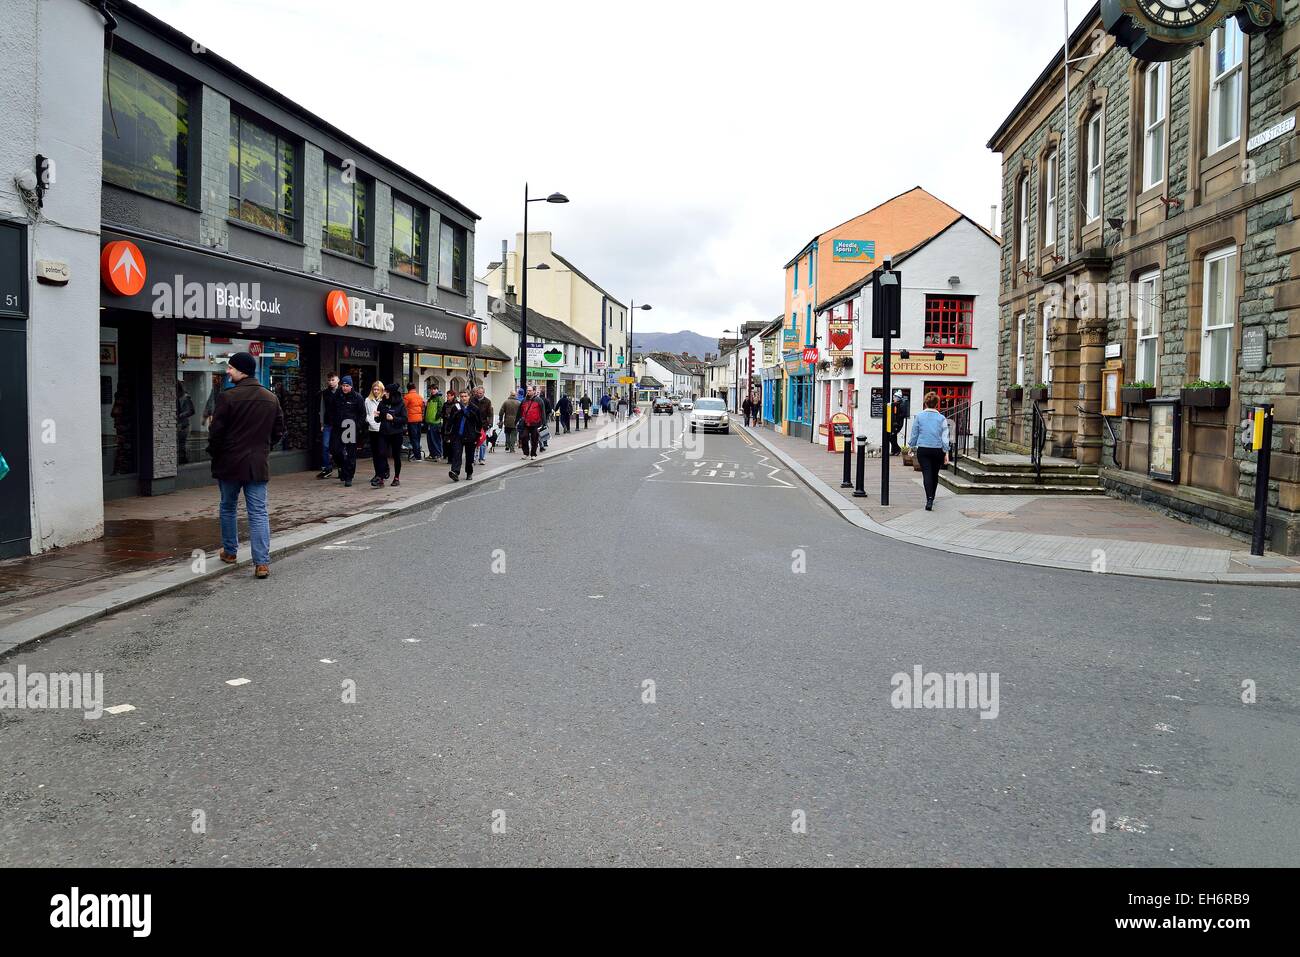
{"points": [[1219, 315], [146, 131], [949, 321], [1021, 321], [201, 377], [451, 257], [118, 404], [1227, 50], [408, 254], [1155, 87], [1050, 176], [262, 188], [1147, 312], [346, 196], [954, 402], [1094, 153]]}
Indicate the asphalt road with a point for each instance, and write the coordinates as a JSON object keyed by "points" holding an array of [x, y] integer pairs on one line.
{"points": [[499, 645]]}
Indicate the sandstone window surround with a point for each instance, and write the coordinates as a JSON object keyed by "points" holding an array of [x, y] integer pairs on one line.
{"points": [[1090, 170], [1219, 315], [1094, 158], [1022, 218], [1045, 360], [1155, 124], [1022, 322], [1227, 51], [1146, 316], [1220, 86], [1049, 198]]}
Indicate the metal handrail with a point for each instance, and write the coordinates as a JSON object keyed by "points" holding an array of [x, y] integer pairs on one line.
{"points": [[1114, 439], [1039, 442], [959, 433], [997, 418]]}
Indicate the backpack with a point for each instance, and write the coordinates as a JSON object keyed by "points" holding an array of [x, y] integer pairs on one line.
{"points": [[531, 412]]}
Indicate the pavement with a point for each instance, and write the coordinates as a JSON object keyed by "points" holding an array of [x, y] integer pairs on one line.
{"points": [[639, 655], [1093, 534], [152, 545]]}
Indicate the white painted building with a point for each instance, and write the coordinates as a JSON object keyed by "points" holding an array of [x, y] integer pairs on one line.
{"points": [[949, 308], [51, 104]]}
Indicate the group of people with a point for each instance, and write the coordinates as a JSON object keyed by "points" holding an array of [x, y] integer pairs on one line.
{"points": [[752, 408]]}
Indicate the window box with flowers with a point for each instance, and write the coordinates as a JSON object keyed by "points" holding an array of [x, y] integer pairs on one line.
{"points": [[1207, 395], [1037, 393], [1137, 393], [1015, 393]]}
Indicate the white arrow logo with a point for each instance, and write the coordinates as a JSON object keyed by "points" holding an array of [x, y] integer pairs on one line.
{"points": [[127, 260], [340, 307]]}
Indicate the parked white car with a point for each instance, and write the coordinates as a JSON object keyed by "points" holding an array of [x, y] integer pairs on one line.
{"points": [[709, 415]]}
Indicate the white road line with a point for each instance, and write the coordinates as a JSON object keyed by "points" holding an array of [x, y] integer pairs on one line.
{"points": [[236, 682], [120, 709]]}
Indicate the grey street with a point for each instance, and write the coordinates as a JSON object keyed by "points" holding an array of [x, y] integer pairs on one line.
{"points": [[630, 656]]}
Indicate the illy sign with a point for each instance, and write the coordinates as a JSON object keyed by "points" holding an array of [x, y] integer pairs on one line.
{"points": [[344, 310]]}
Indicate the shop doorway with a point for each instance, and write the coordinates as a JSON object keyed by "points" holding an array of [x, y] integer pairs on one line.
{"points": [[15, 485]]}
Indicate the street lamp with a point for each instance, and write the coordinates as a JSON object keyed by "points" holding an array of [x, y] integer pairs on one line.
{"points": [[631, 366], [523, 314]]}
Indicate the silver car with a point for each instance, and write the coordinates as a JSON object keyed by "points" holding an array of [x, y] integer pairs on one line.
{"points": [[710, 415]]}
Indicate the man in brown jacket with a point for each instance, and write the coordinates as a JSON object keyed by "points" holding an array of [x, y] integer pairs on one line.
{"points": [[247, 422]]}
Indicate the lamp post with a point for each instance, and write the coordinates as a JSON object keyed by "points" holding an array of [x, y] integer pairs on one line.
{"points": [[631, 365], [523, 312]]}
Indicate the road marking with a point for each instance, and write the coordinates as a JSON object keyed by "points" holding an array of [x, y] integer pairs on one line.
{"points": [[236, 682], [595, 596], [411, 641], [120, 709], [345, 548], [328, 661]]}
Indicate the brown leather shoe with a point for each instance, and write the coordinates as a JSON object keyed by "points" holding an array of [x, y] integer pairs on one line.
{"points": [[227, 558], [262, 571]]}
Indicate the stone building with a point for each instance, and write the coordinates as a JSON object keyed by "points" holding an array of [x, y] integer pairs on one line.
{"points": [[1150, 235]]}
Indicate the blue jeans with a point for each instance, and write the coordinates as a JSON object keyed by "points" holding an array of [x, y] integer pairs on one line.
{"points": [[259, 520], [435, 439], [413, 430], [326, 434]]}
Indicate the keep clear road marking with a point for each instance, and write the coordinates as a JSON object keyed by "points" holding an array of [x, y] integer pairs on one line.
{"points": [[706, 471]]}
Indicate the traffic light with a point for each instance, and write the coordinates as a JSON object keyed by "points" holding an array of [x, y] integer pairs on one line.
{"points": [[887, 303]]}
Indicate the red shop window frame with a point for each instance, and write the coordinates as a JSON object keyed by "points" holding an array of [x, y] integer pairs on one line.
{"points": [[950, 322]]}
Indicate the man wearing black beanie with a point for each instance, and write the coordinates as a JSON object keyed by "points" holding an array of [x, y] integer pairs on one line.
{"points": [[247, 423]]}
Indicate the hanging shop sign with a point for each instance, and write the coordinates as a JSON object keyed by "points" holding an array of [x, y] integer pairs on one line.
{"points": [[853, 250], [471, 334], [917, 363], [841, 337], [122, 267], [1161, 30], [554, 356], [809, 356]]}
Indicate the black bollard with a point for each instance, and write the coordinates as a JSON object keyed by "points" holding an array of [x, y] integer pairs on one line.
{"points": [[848, 462], [861, 490]]}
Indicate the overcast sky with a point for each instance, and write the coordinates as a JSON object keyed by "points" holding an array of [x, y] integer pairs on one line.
{"points": [[702, 143]]}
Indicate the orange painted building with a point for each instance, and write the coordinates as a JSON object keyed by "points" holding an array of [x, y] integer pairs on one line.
{"points": [[817, 274]]}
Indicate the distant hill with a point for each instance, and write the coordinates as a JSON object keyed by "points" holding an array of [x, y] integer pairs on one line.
{"points": [[691, 343]]}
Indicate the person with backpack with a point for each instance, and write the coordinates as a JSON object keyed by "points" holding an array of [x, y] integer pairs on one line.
{"points": [[466, 429], [510, 420], [391, 415], [414, 403], [532, 415], [484, 406], [433, 422]]}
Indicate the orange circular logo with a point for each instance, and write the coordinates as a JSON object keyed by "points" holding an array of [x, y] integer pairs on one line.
{"points": [[122, 267], [337, 308], [471, 334]]}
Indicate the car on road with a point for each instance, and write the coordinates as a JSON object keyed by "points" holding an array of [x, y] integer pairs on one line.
{"points": [[663, 404], [687, 405], [709, 415]]}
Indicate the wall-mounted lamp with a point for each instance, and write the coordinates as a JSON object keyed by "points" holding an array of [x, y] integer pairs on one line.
{"points": [[954, 280]]}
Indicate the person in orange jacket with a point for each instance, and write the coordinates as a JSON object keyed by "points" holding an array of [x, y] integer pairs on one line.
{"points": [[414, 418]]}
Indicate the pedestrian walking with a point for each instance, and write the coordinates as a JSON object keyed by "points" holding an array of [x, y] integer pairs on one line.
{"points": [[485, 411], [329, 402], [747, 407], [929, 440], [414, 403], [565, 408], [509, 420], [585, 405], [532, 416], [247, 421], [433, 422], [348, 426], [374, 437], [391, 416], [622, 406], [604, 404], [184, 412], [466, 429]]}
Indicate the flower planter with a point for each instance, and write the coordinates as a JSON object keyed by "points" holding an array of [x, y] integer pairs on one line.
{"points": [[1015, 393], [1207, 398], [1136, 396], [1036, 395]]}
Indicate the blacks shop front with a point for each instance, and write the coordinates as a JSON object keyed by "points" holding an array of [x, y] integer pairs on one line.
{"points": [[172, 315]]}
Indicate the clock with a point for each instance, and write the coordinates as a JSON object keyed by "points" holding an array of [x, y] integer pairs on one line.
{"points": [[1178, 13]]}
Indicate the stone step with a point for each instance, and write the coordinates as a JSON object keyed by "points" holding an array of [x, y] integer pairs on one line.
{"points": [[1002, 477], [964, 486], [1054, 466]]}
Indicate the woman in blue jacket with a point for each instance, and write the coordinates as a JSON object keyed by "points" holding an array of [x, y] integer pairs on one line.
{"points": [[929, 444]]}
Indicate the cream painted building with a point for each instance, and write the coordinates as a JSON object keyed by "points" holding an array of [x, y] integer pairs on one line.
{"points": [[566, 294]]}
